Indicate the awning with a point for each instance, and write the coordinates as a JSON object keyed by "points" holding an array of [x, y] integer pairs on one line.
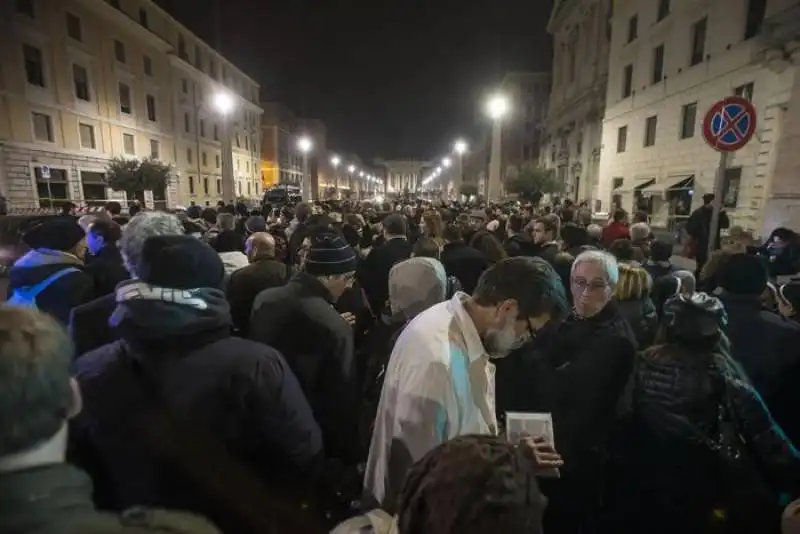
{"points": [[672, 182], [633, 186]]}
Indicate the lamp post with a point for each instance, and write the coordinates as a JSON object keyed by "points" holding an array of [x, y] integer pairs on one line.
{"points": [[304, 144], [224, 104], [460, 147], [335, 161], [496, 108]]}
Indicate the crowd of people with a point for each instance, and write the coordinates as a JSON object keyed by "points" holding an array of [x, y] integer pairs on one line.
{"points": [[350, 367]]}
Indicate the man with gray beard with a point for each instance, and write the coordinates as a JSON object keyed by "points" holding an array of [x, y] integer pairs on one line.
{"points": [[440, 382]]}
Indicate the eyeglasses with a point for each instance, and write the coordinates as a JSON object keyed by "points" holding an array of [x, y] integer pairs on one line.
{"points": [[592, 285]]}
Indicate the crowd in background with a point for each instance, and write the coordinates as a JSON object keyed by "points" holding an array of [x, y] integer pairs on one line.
{"points": [[294, 368]]}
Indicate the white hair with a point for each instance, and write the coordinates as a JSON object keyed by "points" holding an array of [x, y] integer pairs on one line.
{"points": [[144, 225], [639, 231], [602, 258], [595, 231]]}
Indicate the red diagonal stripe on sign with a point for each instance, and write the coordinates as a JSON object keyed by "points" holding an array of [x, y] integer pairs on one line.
{"points": [[732, 123]]}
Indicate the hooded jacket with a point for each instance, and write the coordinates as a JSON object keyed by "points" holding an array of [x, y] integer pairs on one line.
{"points": [[61, 296], [241, 396]]}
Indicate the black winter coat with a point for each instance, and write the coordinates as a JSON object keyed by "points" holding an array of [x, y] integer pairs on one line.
{"points": [[465, 263], [246, 283], [300, 321], [235, 394], [107, 269], [88, 324], [373, 271], [677, 401], [592, 360]]}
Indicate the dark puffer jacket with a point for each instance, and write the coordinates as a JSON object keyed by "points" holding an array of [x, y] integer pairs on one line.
{"points": [[678, 401]]}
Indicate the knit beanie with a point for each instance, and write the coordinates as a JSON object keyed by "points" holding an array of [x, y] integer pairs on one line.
{"points": [[742, 274], [61, 233], [254, 224], [329, 255], [180, 262]]}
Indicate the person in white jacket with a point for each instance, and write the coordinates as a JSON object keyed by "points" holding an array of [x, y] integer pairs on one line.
{"points": [[439, 383]]}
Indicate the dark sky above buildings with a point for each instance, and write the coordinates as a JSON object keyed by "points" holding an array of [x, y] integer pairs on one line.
{"points": [[390, 78]]}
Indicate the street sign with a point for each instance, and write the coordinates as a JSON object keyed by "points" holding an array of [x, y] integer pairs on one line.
{"points": [[45, 170], [729, 124]]}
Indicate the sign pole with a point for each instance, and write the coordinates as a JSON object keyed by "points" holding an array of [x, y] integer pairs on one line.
{"points": [[49, 195], [719, 183], [727, 127]]}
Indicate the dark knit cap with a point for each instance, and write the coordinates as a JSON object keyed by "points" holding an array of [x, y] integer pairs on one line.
{"points": [[329, 254], [254, 224], [742, 274], [180, 262], [61, 233]]}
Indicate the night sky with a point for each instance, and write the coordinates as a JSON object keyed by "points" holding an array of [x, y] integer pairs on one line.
{"points": [[393, 79]]}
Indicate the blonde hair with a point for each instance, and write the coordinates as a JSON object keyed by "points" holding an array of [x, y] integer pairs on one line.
{"points": [[634, 283]]}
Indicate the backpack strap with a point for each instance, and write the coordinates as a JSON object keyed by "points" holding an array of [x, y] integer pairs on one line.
{"points": [[34, 290]]}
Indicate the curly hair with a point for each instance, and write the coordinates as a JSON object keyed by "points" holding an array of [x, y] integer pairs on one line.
{"points": [[472, 484]]}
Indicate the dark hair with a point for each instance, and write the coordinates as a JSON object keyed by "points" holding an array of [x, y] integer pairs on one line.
{"points": [[454, 233], [472, 485], [532, 282], [35, 391], [622, 249], [209, 215], [302, 211], [228, 241], [551, 223], [489, 245], [108, 230], [708, 198], [426, 247], [660, 251], [395, 224], [620, 215], [113, 207], [134, 208], [574, 236], [568, 215], [640, 216], [350, 235]]}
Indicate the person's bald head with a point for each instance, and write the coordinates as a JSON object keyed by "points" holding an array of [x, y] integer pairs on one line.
{"points": [[260, 244]]}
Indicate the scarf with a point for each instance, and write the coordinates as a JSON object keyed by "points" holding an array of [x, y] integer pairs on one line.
{"points": [[146, 313]]}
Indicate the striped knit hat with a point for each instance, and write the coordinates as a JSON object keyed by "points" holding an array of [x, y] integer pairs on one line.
{"points": [[329, 254]]}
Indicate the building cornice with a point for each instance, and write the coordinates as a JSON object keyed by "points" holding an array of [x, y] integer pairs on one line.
{"points": [[121, 19], [199, 75], [561, 11]]}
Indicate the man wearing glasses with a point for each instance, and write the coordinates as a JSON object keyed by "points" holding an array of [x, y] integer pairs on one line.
{"points": [[440, 383]]}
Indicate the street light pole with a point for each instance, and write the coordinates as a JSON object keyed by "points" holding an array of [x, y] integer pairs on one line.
{"points": [[497, 107], [460, 148], [305, 145], [223, 102]]}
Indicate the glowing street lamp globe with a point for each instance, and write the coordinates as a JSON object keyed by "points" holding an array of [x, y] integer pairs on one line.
{"points": [[497, 107], [223, 102], [460, 146], [335, 161], [305, 144], [351, 169], [446, 162]]}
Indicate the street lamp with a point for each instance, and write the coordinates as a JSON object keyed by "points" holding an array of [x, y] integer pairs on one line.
{"points": [[446, 162], [304, 145], [224, 103], [497, 107], [460, 147], [335, 161]]}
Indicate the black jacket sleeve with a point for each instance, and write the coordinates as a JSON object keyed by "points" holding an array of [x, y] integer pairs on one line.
{"points": [[340, 391], [765, 439], [283, 414]]}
